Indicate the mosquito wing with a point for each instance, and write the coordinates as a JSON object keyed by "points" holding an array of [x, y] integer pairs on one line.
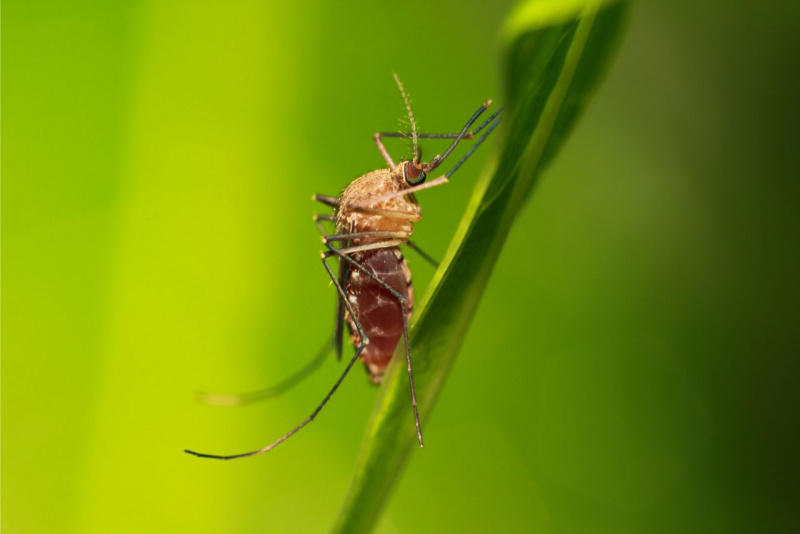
{"points": [[338, 339]]}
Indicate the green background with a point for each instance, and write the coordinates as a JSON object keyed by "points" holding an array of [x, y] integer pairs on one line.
{"points": [[632, 367]]}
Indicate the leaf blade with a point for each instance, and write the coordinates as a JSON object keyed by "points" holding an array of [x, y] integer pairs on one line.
{"points": [[545, 51]]}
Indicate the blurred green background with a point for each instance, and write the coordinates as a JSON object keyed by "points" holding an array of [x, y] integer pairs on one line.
{"points": [[632, 367]]}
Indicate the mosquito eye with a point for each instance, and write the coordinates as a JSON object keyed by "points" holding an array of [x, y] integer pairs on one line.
{"points": [[413, 175]]}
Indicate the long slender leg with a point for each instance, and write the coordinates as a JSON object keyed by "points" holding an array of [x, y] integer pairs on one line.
{"points": [[338, 323], [385, 153], [472, 149], [328, 201], [388, 213], [402, 300], [435, 162], [364, 343], [223, 399], [240, 399], [410, 244], [411, 375], [375, 211], [346, 237], [370, 246], [321, 229], [407, 191], [468, 135], [425, 256]]}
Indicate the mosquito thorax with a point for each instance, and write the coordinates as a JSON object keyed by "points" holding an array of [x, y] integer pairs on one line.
{"points": [[361, 209]]}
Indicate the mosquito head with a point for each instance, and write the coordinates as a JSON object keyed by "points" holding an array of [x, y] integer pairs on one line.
{"points": [[413, 172]]}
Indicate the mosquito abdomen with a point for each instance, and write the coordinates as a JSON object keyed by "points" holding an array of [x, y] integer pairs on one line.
{"points": [[377, 309]]}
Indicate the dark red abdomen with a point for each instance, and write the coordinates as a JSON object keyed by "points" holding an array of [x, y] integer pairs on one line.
{"points": [[376, 308]]}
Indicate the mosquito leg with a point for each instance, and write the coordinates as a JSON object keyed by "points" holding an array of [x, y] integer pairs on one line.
{"points": [[341, 237], [328, 201], [346, 237], [223, 399], [364, 343], [402, 301], [435, 162], [473, 148], [438, 160], [324, 218], [385, 153], [295, 429], [492, 122], [392, 214], [407, 191], [468, 135], [370, 246], [321, 228], [338, 323], [426, 257], [411, 374]]}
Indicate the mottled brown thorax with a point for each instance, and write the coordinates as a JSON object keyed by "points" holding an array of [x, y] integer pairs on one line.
{"points": [[357, 211]]}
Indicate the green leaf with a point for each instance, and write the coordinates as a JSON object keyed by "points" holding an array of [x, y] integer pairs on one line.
{"points": [[555, 53]]}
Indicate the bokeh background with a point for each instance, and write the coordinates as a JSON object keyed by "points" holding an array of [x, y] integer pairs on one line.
{"points": [[632, 367]]}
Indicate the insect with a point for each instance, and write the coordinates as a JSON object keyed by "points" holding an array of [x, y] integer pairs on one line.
{"points": [[372, 217]]}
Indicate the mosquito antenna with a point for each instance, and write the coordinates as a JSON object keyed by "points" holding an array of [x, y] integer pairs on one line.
{"points": [[410, 116]]}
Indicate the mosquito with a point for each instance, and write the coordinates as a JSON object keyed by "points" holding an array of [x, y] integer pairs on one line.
{"points": [[372, 217]]}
